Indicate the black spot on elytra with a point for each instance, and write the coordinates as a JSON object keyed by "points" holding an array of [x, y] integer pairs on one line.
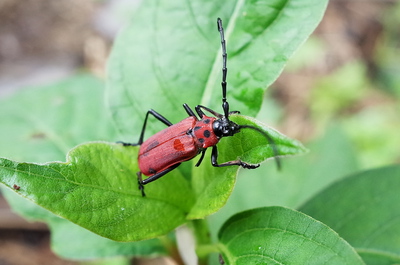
{"points": [[207, 121], [201, 140], [207, 133], [197, 128], [152, 145]]}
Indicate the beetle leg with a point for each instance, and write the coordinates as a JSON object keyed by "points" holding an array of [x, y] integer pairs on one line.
{"points": [[216, 114], [158, 116], [201, 113], [140, 180], [201, 158], [152, 178], [214, 157], [189, 111]]}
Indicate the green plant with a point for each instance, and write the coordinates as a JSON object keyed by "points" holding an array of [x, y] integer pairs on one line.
{"points": [[169, 55]]}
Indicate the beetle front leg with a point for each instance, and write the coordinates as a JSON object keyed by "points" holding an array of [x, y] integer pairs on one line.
{"points": [[214, 157], [189, 111], [216, 114]]}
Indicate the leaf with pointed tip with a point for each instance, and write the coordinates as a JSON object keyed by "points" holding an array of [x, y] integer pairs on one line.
{"points": [[213, 186]]}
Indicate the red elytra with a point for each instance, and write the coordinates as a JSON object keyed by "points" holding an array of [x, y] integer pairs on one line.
{"points": [[178, 143], [167, 149]]}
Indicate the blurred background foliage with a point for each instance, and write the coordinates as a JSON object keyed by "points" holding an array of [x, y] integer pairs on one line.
{"points": [[339, 94]]}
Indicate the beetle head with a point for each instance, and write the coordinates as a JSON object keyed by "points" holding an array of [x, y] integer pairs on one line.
{"points": [[223, 127]]}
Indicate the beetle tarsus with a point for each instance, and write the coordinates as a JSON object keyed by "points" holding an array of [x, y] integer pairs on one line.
{"points": [[141, 188], [140, 183], [249, 166], [127, 144]]}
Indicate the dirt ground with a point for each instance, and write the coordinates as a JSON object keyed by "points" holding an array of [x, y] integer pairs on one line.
{"points": [[350, 29]]}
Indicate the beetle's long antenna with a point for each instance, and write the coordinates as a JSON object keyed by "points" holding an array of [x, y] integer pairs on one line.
{"points": [[225, 105], [269, 138]]}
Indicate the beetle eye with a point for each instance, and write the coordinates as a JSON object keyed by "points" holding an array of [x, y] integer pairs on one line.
{"points": [[226, 130]]}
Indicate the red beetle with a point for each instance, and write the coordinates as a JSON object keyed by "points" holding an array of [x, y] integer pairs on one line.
{"points": [[183, 141]]}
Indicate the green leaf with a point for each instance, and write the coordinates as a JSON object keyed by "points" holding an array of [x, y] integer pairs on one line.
{"points": [[41, 124], [170, 54], [277, 235], [65, 244], [213, 185], [96, 188], [364, 210], [71, 241]]}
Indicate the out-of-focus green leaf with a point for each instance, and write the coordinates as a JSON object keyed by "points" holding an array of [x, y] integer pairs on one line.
{"points": [[41, 124], [364, 210], [71, 241]]}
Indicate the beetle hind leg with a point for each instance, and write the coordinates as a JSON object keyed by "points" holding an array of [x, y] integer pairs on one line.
{"points": [[142, 182]]}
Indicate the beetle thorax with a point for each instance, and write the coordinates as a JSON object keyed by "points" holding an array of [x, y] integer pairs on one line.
{"points": [[203, 132]]}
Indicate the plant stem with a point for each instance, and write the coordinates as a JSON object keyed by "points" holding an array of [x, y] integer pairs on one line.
{"points": [[204, 246]]}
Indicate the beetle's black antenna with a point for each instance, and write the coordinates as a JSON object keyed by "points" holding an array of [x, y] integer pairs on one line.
{"points": [[270, 140], [225, 105]]}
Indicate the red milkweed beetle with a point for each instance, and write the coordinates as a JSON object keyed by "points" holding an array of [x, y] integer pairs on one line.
{"points": [[167, 149]]}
